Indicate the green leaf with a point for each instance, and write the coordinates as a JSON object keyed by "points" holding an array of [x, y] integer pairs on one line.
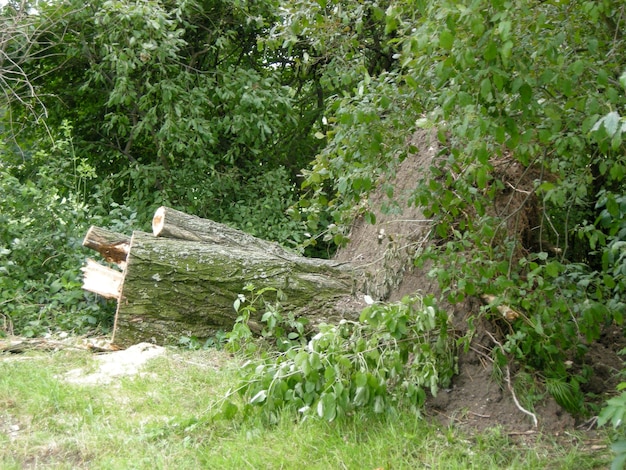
{"points": [[617, 172], [525, 92], [485, 88], [55, 286], [302, 361], [446, 40], [259, 397], [314, 361], [370, 218], [329, 374], [609, 122], [379, 404], [362, 184], [552, 269], [505, 51], [229, 410], [491, 51], [482, 155], [545, 187], [360, 379], [577, 68], [327, 407], [619, 463], [361, 396], [504, 29], [481, 177]]}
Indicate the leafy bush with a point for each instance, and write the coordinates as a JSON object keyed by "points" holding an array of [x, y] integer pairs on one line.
{"points": [[183, 112], [390, 358], [40, 258], [260, 208], [253, 200], [539, 84], [614, 413], [364, 142], [43, 219]]}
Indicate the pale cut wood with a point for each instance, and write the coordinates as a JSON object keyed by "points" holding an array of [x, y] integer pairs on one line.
{"points": [[102, 280], [507, 312], [113, 246]]}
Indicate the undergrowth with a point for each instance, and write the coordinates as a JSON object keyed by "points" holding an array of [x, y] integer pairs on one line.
{"points": [[391, 357]]}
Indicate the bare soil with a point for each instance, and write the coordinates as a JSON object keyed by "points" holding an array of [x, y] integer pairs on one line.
{"points": [[477, 398]]}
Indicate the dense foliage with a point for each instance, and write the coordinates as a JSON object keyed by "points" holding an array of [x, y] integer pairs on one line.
{"points": [[541, 83], [183, 111], [390, 358], [240, 111], [44, 217]]}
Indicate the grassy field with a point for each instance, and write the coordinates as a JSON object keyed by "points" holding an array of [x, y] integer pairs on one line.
{"points": [[159, 419]]}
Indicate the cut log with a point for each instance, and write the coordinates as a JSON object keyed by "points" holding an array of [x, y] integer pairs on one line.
{"points": [[184, 281], [174, 288], [113, 246], [171, 223]]}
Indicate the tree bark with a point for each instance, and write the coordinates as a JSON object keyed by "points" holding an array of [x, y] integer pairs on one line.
{"points": [[184, 281], [171, 223]]}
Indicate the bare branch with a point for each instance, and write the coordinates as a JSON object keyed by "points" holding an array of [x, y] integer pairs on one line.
{"points": [[26, 35]]}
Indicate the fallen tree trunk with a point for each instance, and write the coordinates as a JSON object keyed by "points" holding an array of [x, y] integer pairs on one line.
{"points": [[184, 281]]}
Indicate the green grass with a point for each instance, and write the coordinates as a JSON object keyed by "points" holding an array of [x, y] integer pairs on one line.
{"points": [[161, 420]]}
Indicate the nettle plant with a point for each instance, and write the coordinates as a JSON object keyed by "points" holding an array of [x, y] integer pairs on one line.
{"points": [[390, 358]]}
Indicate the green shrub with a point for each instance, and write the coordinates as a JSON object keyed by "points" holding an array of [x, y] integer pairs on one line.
{"points": [[43, 220], [614, 413], [390, 358]]}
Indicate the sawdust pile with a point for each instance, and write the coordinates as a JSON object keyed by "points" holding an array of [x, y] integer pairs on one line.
{"points": [[113, 365]]}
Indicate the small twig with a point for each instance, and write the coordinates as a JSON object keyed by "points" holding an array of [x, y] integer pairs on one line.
{"points": [[483, 356], [589, 424], [521, 433], [418, 244], [510, 386], [449, 418], [416, 221], [517, 189], [517, 403]]}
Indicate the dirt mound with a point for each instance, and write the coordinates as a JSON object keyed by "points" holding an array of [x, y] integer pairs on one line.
{"points": [[477, 397], [386, 249]]}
